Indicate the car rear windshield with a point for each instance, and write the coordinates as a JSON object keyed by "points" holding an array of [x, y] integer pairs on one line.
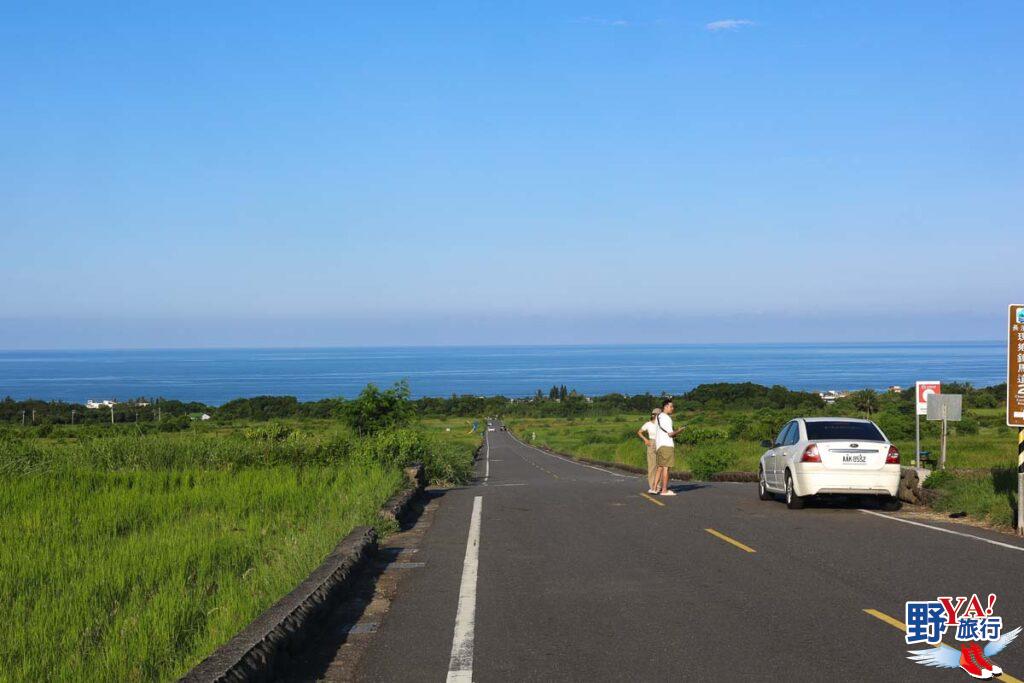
{"points": [[843, 431]]}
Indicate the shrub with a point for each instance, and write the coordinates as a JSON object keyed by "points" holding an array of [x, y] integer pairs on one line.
{"points": [[705, 462], [968, 425], [938, 479], [443, 461], [272, 431], [375, 410], [765, 425], [699, 435], [895, 426], [174, 423], [738, 426]]}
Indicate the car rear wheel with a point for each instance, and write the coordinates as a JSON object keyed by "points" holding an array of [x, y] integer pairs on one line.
{"points": [[793, 501], [891, 503], [762, 487]]}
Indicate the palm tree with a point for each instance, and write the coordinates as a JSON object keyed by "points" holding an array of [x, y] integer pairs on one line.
{"points": [[865, 401]]}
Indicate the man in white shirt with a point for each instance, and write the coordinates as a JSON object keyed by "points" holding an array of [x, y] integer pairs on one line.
{"points": [[665, 446], [649, 434]]}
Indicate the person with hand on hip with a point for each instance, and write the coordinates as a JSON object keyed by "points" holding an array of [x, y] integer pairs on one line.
{"points": [[665, 446], [649, 434]]}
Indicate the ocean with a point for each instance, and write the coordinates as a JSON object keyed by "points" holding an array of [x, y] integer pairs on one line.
{"points": [[215, 376]]}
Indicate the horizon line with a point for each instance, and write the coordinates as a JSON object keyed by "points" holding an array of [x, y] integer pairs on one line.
{"points": [[484, 346]]}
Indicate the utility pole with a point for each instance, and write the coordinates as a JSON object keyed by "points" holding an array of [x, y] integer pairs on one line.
{"points": [[111, 414], [23, 418], [33, 416], [72, 416]]}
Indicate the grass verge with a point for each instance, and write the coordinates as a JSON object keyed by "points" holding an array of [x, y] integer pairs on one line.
{"points": [[987, 496]]}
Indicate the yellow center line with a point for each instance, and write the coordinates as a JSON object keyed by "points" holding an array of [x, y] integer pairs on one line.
{"points": [[733, 541], [896, 623], [653, 500], [882, 616]]}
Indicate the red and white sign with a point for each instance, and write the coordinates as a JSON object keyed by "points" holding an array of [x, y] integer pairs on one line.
{"points": [[924, 390]]}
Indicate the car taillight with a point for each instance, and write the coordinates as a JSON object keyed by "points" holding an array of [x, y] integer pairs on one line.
{"points": [[811, 454], [893, 458]]}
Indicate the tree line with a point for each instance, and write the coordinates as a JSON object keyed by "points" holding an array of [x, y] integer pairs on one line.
{"points": [[558, 401]]}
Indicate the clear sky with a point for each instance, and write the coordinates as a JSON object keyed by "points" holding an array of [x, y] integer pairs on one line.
{"points": [[336, 173]]}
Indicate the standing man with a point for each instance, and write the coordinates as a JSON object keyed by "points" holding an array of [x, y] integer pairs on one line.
{"points": [[649, 434], [666, 446]]}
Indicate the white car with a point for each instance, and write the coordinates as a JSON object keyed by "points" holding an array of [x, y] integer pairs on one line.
{"points": [[829, 455]]}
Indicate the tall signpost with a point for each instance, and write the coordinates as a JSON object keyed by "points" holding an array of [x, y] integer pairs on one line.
{"points": [[1015, 397], [947, 408], [924, 390]]}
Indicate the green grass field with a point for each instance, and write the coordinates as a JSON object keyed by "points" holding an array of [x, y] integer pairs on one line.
{"points": [[133, 557]]}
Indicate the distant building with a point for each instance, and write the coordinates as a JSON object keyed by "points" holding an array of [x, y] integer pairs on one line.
{"points": [[895, 389], [831, 395], [198, 416], [96, 405]]}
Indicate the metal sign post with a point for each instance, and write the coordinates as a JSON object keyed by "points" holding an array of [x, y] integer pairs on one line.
{"points": [[923, 391], [1015, 397], [948, 408]]}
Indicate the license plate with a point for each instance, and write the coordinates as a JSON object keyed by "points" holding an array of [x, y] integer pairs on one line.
{"points": [[854, 459]]}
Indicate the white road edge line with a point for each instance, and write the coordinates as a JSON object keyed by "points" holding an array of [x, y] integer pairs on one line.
{"points": [[487, 457], [460, 667], [945, 531], [581, 464]]}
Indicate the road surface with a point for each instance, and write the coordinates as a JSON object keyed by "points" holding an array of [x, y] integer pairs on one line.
{"points": [[547, 569]]}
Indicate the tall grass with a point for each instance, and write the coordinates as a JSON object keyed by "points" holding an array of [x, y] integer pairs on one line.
{"points": [[987, 496], [132, 557], [138, 575]]}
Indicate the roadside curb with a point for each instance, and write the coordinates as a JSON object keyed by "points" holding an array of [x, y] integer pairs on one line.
{"points": [[399, 503], [263, 649]]}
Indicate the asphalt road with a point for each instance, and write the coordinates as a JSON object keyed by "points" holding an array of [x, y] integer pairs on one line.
{"points": [[580, 576]]}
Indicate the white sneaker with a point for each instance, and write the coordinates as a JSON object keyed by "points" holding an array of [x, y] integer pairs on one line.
{"points": [[670, 492], [654, 491]]}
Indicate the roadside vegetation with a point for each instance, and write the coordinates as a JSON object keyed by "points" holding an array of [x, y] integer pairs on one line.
{"points": [[988, 496], [130, 552]]}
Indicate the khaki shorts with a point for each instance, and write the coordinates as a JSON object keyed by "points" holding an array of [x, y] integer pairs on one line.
{"points": [[666, 456]]}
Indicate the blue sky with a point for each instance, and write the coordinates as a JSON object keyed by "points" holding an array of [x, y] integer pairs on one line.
{"points": [[209, 174]]}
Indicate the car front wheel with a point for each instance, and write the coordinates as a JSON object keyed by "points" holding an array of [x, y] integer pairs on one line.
{"points": [[762, 486], [793, 501]]}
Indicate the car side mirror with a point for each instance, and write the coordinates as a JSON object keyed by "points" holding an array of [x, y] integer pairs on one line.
{"points": [[767, 444]]}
